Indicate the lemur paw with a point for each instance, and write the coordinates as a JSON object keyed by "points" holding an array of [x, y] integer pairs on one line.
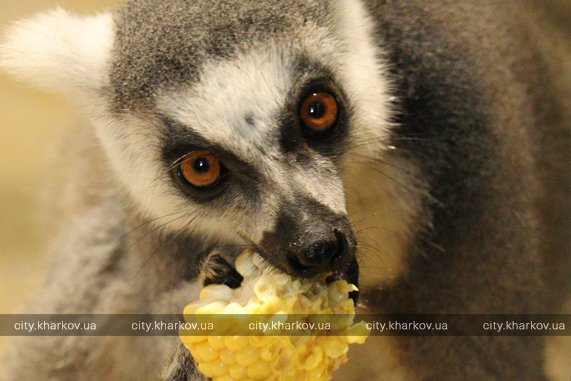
{"points": [[217, 268]]}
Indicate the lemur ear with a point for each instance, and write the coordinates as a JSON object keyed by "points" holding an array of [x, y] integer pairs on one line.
{"points": [[60, 51]]}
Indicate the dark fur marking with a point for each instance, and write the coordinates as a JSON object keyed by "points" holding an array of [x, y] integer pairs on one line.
{"points": [[242, 180], [293, 136], [250, 121]]}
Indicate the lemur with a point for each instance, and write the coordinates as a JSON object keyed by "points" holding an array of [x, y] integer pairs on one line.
{"points": [[419, 146]]}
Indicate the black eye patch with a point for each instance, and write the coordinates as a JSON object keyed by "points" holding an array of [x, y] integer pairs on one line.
{"points": [[302, 125], [240, 179]]}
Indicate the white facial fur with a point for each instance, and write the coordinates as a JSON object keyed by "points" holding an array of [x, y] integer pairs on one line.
{"points": [[363, 74]]}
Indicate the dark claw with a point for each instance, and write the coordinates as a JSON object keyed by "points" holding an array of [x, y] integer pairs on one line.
{"points": [[351, 275], [220, 272]]}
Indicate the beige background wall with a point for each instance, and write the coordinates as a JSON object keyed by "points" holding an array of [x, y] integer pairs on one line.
{"points": [[31, 122]]}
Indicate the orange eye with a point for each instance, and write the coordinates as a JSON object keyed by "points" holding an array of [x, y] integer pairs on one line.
{"points": [[200, 169], [319, 111]]}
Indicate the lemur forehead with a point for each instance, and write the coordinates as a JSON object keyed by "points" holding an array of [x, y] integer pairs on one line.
{"points": [[244, 103], [162, 43], [236, 103]]}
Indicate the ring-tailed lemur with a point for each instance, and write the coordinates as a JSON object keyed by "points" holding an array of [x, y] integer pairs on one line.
{"points": [[427, 141]]}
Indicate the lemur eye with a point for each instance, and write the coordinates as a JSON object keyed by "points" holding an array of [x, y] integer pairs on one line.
{"points": [[200, 169], [319, 111]]}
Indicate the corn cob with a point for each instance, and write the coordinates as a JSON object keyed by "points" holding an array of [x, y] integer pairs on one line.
{"points": [[314, 355]]}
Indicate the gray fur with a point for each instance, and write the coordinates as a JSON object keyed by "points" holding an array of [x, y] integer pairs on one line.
{"points": [[161, 44], [109, 261], [182, 368], [488, 100]]}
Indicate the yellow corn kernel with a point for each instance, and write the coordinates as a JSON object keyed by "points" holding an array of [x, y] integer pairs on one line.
{"points": [[227, 356], [242, 356], [215, 368], [334, 347], [211, 308], [216, 342], [204, 352], [237, 371], [245, 266], [247, 356], [216, 292], [314, 359], [266, 354], [236, 343], [259, 371]]}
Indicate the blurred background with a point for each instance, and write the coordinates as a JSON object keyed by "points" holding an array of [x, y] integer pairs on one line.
{"points": [[31, 125]]}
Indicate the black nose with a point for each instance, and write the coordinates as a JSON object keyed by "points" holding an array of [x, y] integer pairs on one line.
{"points": [[323, 255]]}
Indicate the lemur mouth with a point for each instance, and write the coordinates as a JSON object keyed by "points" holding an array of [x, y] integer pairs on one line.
{"points": [[224, 273]]}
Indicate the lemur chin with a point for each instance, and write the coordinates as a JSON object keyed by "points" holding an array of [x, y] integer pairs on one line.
{"points": [[421, 147]]}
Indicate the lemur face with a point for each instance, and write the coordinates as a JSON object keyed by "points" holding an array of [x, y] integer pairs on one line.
{"points": [[222, 123], [256, 145]]}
